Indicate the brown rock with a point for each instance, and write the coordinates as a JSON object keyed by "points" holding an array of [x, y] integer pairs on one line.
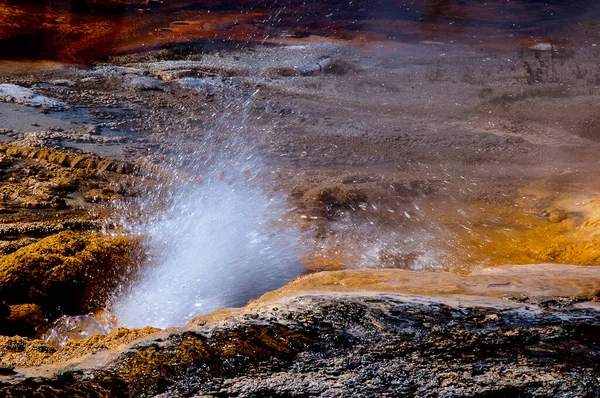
{"points": [[95, 196], [66, 159], [19, 351], [67, 273], [24, 319], [557, 216]]}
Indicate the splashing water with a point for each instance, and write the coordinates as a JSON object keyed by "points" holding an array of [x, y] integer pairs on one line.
{"points": [[217, 243]]}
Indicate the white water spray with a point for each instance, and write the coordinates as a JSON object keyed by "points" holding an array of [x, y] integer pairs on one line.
{"points": [[218, 243]]}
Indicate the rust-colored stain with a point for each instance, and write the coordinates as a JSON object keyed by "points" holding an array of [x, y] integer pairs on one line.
{"points": [[82, 31]]}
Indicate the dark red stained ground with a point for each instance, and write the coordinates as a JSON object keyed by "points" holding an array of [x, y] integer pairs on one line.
{"points": [[81, 31]]}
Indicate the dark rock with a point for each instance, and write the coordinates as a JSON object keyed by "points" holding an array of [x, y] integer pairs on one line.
{"points": [[372, 345]]}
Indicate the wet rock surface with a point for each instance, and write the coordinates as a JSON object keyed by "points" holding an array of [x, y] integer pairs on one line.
{"points": [[373, 345]]}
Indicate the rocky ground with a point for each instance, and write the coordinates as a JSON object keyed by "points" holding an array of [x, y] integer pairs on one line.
{"points": [[423, 156], [357, 344]]}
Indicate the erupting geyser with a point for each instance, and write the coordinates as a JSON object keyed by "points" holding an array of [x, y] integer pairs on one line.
{"points": [[219, 242]]}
